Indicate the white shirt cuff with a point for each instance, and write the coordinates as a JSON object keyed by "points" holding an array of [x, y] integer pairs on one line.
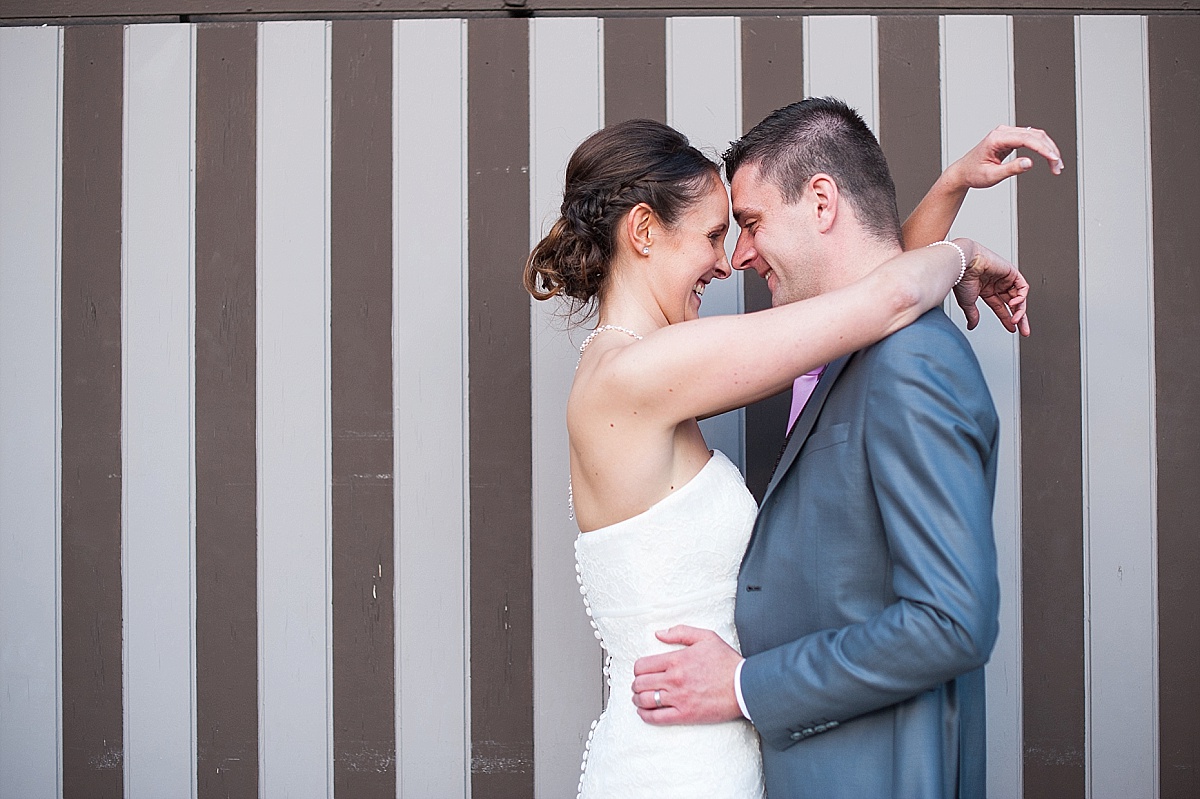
{"points": [[737, 688]]}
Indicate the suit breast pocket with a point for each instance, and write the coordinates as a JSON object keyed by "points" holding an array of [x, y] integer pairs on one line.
{"points": [[827, 437]]}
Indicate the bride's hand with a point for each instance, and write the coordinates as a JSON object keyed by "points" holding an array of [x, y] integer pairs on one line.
{"points": [[997, 282], [985, 164]]}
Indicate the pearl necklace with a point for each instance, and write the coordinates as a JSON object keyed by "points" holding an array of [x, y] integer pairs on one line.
{"points": [[600, 330], [582, 347]]}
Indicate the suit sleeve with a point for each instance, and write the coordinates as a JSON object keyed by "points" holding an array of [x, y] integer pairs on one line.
{"points": [[930, 435]]}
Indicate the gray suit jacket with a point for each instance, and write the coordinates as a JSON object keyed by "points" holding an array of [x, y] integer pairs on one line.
{"points": [[868, 600]]}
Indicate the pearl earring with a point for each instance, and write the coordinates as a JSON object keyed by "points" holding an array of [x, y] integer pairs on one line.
{"points": [[645, 251]]}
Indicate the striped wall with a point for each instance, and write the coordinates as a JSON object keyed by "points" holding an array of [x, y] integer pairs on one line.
{"points": [[282, 461]]}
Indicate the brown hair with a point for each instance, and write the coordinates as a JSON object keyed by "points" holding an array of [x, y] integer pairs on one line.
{"points": [[614, 169]]}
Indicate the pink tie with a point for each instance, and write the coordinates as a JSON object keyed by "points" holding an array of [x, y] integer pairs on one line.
{"points": [[802, 389]]}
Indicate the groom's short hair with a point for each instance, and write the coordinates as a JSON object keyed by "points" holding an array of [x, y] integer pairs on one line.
{"points": [[822, 134]]}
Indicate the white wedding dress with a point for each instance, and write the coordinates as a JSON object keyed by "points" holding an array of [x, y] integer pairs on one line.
{"points": [[675, 563]]}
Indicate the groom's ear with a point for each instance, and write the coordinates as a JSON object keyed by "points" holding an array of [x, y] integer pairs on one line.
{"points": [[824, 196]]}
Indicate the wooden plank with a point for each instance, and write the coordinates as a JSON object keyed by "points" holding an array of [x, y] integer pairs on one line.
{"points": [[772, 77], [293, 314], [157, 281], [30, 75], [227, 691], [1174, 54], [635, 69], [910, 112], [703, 103], [364, 723], [565, 108], [978, 95], [430, 389], [93, 731], [499, 402], [1053, 707], [1118, 383]]}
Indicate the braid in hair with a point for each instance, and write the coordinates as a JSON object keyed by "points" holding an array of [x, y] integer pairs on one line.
{"points": [[613, 170]]}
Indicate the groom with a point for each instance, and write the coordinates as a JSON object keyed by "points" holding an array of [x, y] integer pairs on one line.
{"points": [[867, 603]]}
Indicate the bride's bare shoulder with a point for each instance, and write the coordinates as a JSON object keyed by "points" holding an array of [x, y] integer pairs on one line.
{"points": [[609, 387]]}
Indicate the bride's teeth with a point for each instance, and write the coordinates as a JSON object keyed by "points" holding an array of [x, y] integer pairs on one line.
{"points": [[699, 289]]}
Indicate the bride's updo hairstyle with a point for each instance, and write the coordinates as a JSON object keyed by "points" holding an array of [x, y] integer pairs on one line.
{"points": [[614, 169]]}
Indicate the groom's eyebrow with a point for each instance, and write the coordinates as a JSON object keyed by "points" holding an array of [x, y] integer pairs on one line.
{"points": [[741, 213]]}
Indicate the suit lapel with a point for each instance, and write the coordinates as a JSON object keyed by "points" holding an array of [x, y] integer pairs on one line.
{"points": [[804, 424]]}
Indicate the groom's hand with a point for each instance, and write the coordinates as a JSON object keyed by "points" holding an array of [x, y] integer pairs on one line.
{"points": [[694, 685]]}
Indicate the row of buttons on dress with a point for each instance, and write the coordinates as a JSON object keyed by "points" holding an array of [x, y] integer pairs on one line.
{"points": [[808, 732], [587, 746], [587, 750], [587, 606]]}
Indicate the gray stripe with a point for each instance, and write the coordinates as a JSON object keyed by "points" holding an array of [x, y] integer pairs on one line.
{"points": [[1052, 554], [499, 406], [1174, 45], [364, 726], [30, 78], [772, 77], [226, 454], [93, 726]]}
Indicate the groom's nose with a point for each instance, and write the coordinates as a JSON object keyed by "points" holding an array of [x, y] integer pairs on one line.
{"points": [[743, 252]]}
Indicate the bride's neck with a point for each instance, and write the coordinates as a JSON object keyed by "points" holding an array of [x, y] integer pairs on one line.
{"points": [[628, 303]]}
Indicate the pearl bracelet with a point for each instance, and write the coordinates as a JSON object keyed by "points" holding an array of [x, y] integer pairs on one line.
{"points": [[962, 258]]}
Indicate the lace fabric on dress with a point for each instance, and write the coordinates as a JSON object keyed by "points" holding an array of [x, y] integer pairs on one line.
{"points": [[675, 563]]}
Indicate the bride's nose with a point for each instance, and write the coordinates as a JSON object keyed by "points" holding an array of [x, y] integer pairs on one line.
{"points": [[723, 270]]}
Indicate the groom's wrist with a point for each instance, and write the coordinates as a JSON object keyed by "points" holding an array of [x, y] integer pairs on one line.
{"points": [[737, 689]]}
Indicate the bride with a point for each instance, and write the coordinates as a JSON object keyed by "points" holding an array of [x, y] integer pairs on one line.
{"points": [[664, 522]]}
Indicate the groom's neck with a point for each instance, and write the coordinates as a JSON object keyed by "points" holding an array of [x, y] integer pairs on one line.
{"points": [[854, 258]]}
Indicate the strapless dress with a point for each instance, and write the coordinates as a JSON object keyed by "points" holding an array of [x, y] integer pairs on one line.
{"points": [[675, 563]]}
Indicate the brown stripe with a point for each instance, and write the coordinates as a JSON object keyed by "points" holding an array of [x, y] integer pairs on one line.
{"points": [[772, 77], [226, 422], [1052, 602], [92, 733], [910, 106], [499, 406], [635, 69], [1174, 44], [364, 724], [772, 66]]}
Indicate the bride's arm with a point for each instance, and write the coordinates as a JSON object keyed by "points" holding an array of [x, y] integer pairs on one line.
{"points": [[982, 167], [713, 364]]}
